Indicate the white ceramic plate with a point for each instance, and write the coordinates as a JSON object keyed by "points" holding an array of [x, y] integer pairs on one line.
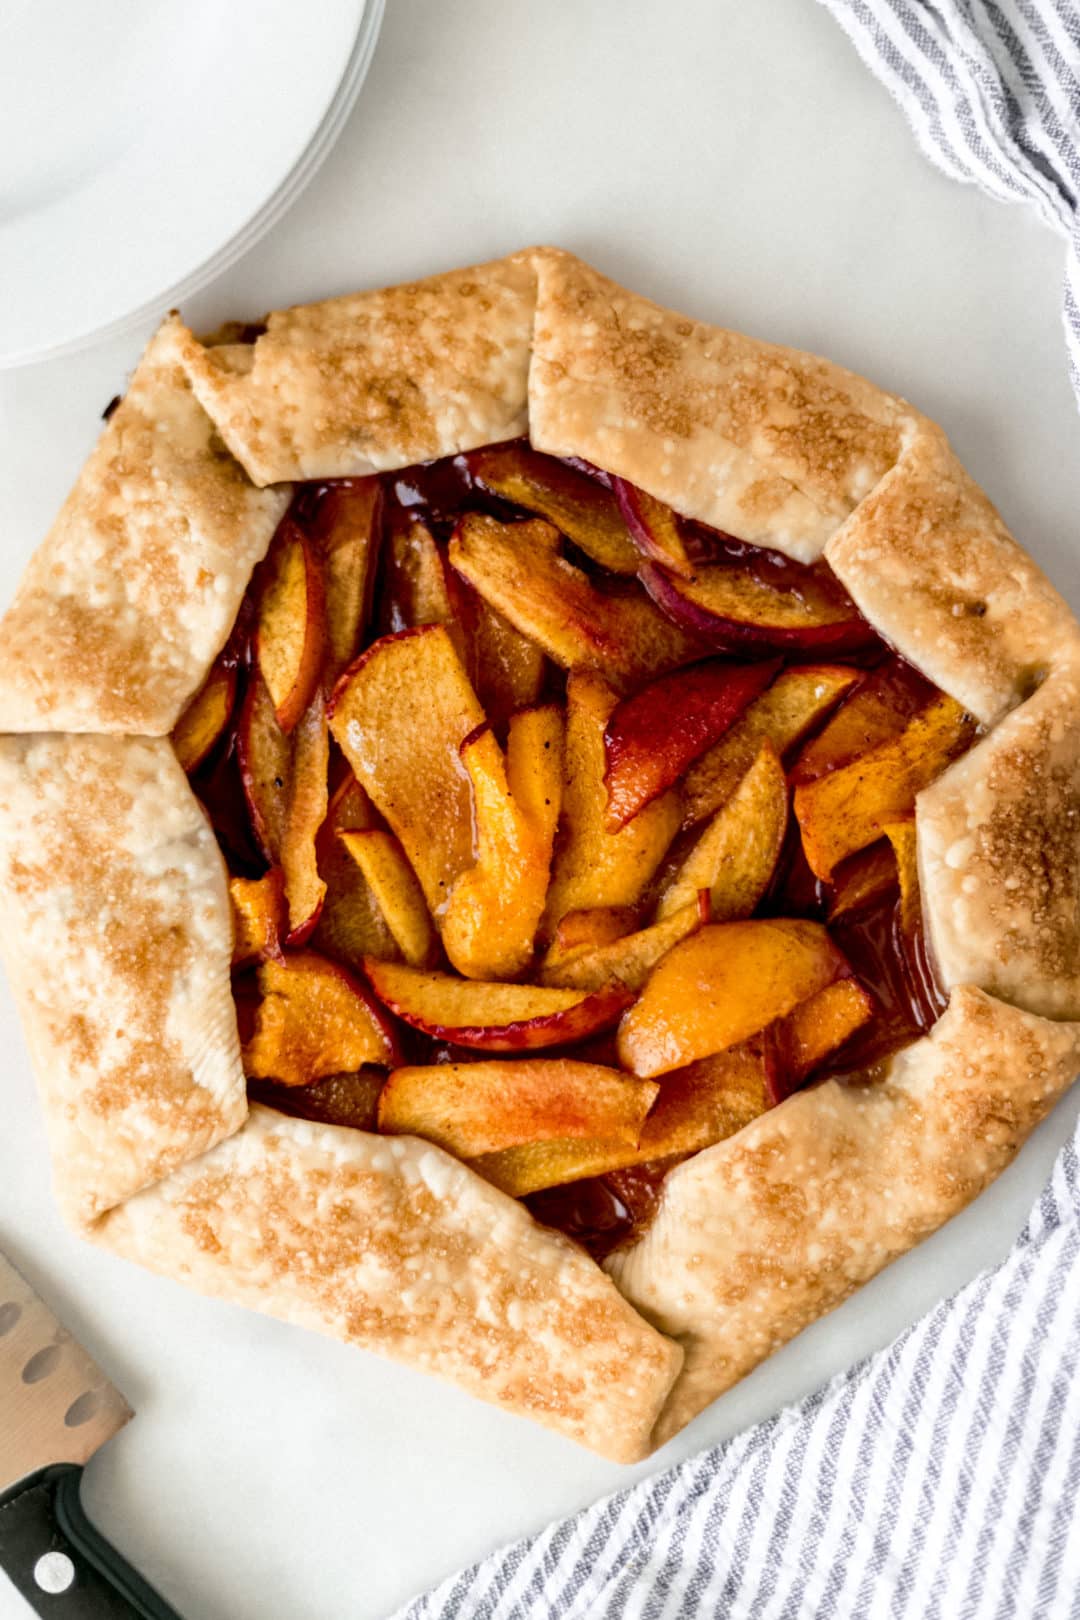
{"points": [[146, 144]]}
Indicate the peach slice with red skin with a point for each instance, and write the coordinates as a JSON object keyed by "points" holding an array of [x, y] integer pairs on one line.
{"points": [[203, 722], [351, 924], [400, 714], [629, 960], [618, 632], [797, 1045], [264, 756], [579, 507], [696, 1107], [733, 608], [495, 907], [394, 884], [290, 632], [315, 1019], [874, 711], [305, 813], [595, 868], [653, 736], [654, 528], [259, 917], [345, 533], [797, 699], [285, 785], [735, 857], [721, 986], [493, 1016], [476, 1108], [850, 807]]}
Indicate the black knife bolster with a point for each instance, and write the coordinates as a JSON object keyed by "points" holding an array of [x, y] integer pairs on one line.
{"points": [[43, 1513]]}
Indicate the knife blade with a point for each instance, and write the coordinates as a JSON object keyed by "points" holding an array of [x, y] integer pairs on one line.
{"points": [[57, 1408]]}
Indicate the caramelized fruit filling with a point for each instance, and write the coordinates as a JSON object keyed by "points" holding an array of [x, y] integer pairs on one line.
{"points": [[608, 760]]}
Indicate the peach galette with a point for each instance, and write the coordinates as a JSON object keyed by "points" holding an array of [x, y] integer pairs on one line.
{"points": [[537, 836]]}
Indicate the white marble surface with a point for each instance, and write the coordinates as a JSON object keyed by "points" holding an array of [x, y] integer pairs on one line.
{"points": [[738, 162]]}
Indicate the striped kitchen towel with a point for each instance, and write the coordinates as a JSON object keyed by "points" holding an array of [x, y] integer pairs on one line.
{"points": [[936, 1480], [992, 91]]}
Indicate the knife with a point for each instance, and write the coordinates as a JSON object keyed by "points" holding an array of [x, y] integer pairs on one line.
{"points": [[56, 1408]]}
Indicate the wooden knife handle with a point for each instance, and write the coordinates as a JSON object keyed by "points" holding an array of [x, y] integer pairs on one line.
{"points": [[60, 1564]]}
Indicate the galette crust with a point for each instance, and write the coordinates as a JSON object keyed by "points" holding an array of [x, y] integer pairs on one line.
{"points": [[391, 1244], [763, 442], [999, 856], [932, 566], [128, 600], [113, 903], [759, 1236], [116, 933], [376, 380]]}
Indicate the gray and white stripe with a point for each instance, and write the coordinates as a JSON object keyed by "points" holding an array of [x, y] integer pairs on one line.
{"points": [[936, 1480], [991, 89]]}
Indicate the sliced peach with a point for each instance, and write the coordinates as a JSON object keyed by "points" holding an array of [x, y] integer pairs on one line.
{"points": [[737, 610], [350, 1099], [862, 880], [535, 760], [653, 736], [474, 1108], [797, 699], [595, 867], [579, 507], [721, 986], [736, 856], [901, 836], [290, 634], [493, 1017], [629, 960], [400, 715], [305, 812], [706, 1102], [351, 923], [416, 585], [203, 722], [799, 1043], [697, 1106], [264, 755], [533, 1166], [508, 668], [314, 1019], [258, 913], [654, 528], [877, 709], [850, 807], [494, 910], [618, 632], [394, 884], [600, 926], [346, 531]]}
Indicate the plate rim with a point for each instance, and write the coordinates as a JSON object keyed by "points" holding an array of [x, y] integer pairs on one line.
{"points": [[254, 228]]}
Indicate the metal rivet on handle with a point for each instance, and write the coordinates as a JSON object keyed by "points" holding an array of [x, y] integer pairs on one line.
{"points": [[54, 1572]]}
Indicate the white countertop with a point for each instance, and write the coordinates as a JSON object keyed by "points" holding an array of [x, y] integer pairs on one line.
{"points": [[735, 161]]}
